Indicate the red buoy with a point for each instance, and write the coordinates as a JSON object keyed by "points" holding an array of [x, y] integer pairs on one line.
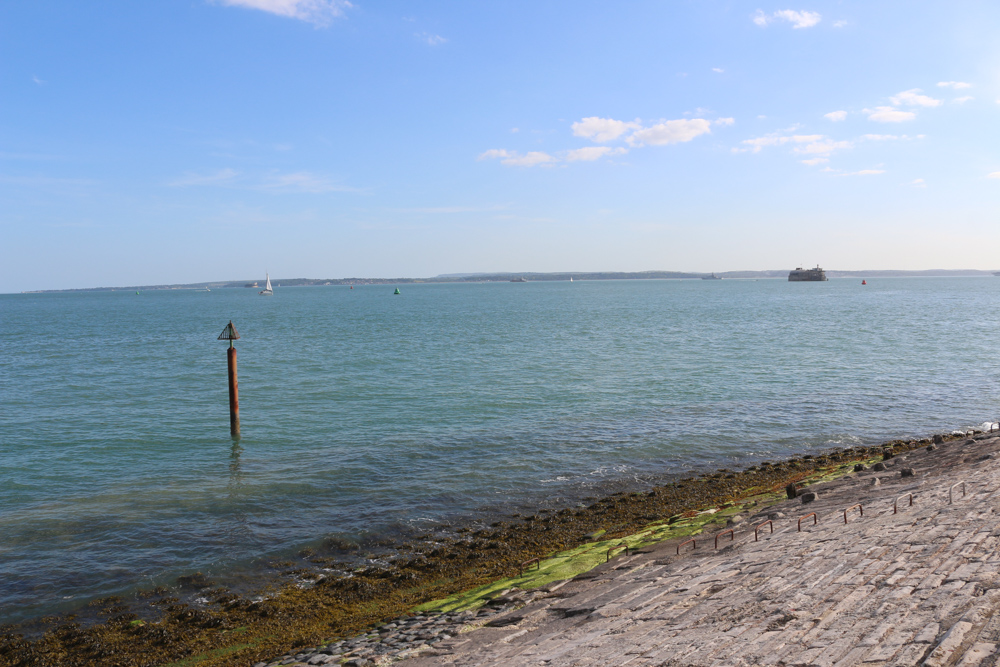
{"points": [[864, 282]]}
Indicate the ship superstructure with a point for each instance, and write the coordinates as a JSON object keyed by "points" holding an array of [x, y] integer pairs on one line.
{"points": [[807, 275]]}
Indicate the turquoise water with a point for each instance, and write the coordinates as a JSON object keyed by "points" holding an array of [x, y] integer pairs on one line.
{"points": [[367, 415]]}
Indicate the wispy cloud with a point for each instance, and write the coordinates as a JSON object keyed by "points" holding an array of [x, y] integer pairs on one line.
{"points": [[45, 181], [602, 129], [777, 139], [300, 181], [318, 12], [813, 161], [515, 159], [889, 115], [864, 172], [670, 132], [822, 147], [452, 209], [431, 39], [591, 153], [37, 80], [918, 183], [963, 99], [954, 85], [839, 24], [914, 98], [798, 19], [220, 177], [836, 116], [995, 174], [718, 70]]}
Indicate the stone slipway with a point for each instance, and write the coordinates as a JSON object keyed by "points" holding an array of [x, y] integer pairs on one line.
{"points": [[921, 586]]}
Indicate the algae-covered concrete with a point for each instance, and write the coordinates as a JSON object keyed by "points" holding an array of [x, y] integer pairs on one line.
{"points": [[876, 581]]}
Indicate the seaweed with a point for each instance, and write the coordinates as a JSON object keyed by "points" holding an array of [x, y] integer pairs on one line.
{"points": [[454, 572]]}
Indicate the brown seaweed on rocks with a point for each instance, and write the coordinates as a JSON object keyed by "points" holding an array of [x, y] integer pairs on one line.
{"points": [[237, 630]]}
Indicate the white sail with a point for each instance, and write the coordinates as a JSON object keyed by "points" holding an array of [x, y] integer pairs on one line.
{"points": [[267, 291], [268, 286]]}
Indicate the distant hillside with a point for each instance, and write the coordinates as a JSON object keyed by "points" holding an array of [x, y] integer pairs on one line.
{"points": [[530, 277]]}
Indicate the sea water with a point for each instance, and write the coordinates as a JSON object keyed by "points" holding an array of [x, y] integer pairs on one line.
{"points": [[368, 414]]}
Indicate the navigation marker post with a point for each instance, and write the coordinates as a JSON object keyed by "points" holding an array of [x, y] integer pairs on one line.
{"points": [[230, 334]]}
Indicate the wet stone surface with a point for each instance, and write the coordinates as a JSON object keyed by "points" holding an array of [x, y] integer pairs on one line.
{"points": [[409, 635]]}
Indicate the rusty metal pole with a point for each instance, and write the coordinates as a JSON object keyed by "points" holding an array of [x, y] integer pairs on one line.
{"points": [[230, 334], [234, 393]]}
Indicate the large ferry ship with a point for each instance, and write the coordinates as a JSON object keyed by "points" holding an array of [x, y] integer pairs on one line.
{"points": [[807, 275]]}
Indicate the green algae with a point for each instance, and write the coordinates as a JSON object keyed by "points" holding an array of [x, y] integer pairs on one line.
{"points": [[574, 562], [465, 569]]}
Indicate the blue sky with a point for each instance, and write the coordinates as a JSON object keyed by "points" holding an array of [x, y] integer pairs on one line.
{"points": [[206, 140]]}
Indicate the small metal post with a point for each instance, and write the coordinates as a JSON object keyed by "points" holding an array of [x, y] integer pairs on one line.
{"points": [[230, 334]]}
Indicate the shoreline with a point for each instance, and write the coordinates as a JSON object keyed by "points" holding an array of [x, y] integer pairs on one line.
{"points": [[234, 629]]}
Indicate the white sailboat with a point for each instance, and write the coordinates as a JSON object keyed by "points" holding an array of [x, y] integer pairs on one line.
{"points": [[267, 291]]}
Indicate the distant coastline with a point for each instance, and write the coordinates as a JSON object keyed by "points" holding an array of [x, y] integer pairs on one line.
{"points": [[532, 277]]}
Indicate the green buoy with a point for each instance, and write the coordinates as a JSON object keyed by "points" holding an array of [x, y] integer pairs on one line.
{"points": [[136, 292], [397, 291]]}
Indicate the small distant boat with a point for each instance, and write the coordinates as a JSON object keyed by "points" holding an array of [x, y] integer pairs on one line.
{"points": [[711, 277], [571, 278], [518, 280], [267, 291]]}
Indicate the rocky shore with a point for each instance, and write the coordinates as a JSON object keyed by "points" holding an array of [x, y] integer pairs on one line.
{"points": [[371, 604]]}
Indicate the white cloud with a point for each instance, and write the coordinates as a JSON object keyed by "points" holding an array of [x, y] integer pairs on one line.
{"points": [[757, 144], [995, 174], [864, 172], [493, 153], [602, 129], [670, 132], [889, 115], [913, 98], [880, 137], [955, 85], [430, 39], [515, 130], [37, 80], [798, 19], [963, 100], [515, 159], [839, 24], [302, 181], [918, 183], [529, 159], [824, 147], [220, 177], [725, 121], [718, 70], [836, 116], [317, 12], [813, 161], [591, 153]]}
